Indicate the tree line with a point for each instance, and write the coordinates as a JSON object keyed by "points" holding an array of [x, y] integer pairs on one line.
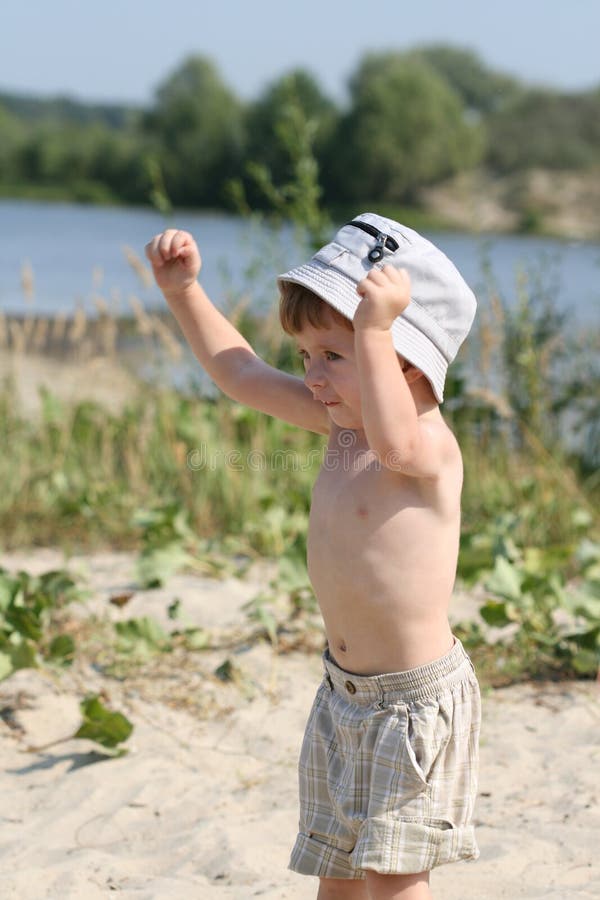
{"points": [[412, 119]]}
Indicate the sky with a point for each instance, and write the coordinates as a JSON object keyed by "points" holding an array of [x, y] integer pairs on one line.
{"points": [[121, 50]]}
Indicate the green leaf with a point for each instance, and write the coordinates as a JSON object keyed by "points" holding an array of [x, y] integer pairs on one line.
{"points": [[229, 672], [157, 565], [586, 638], [196, 638], [6, 666], [25, 622], [60, 587], [505, 580], [292, 573], [473, 560], [23, 653], [495, 613], [551, 641], [62, 649], [142, 636], [9, 587], [226, 671], [588, 552], [102, 725], [257, 609], [539, 561], [266, 618], [583, 602], [174, 609], [586, 662]]}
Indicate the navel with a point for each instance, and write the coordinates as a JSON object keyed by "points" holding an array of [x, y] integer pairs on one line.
{"points": [[342, 647]]}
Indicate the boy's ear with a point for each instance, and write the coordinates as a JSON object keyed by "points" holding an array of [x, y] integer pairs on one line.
{"points": [[411, 373]]}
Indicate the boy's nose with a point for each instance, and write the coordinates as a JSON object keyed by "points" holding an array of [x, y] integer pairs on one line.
{"points": [[314, 377]]}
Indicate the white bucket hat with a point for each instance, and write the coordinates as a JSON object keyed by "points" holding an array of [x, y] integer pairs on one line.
{"points": [[439, 316]]}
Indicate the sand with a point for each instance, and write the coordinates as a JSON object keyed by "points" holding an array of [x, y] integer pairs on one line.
{"points": [[204, 803]]}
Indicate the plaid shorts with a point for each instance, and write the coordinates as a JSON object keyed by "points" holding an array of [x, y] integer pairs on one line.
{"points": [[388, 770]]}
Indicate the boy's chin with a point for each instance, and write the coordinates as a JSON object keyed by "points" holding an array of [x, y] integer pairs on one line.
{"points": [[344, 417]]}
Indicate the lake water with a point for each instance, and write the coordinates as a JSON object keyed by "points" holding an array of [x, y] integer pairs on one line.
{"points": [[76, 252]]}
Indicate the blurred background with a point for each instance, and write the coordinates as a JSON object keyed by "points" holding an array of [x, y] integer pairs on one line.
{"points": [[261, 127]]}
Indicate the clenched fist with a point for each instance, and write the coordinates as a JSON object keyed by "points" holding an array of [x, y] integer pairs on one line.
{"points": [[385, 295], [175, 260]]}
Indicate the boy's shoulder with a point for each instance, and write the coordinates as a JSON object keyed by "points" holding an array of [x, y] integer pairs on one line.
{"points": [[443, 491], [437, 429], [437, 455]]}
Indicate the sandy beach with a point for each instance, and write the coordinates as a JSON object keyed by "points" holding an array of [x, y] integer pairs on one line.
{"points": [[204, 803]]}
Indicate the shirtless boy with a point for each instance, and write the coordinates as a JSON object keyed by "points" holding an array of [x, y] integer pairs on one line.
{"points": [[388, 766]]}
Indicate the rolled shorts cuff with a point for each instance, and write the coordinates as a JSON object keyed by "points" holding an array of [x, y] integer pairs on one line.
{"points": [[316, 855], [403, 847], [409, 845]]}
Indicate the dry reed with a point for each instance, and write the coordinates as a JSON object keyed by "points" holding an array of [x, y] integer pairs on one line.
{"points": [[40, 335], [59, 328], [17, 337], [139, 267], [3, 332], [27, 281], [78, 326], [142, 319], [167, 338]]}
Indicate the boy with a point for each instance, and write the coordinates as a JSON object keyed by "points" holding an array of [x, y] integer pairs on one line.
{"points": [[389, 759]]}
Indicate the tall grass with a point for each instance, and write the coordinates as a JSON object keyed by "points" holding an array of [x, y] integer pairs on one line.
{"points": [[75, 474]]}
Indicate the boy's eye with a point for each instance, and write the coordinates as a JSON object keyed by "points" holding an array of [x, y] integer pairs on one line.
{"points": [[328, 354]]}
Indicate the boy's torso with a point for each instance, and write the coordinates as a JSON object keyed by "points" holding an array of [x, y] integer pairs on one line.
{"points": [[382, 550]]}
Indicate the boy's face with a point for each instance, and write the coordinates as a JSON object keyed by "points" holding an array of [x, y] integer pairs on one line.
{"points": [[330, 370]]}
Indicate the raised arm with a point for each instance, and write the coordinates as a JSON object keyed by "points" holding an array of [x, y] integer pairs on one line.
{"points": [[222, 351], [402, 440]]}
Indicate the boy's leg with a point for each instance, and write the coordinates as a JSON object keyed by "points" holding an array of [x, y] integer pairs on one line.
{"points": [[342, 889], [398, 887]]}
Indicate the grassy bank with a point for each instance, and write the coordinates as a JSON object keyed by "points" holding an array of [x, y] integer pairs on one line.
{"points": [[76, 474], [191, 482]]}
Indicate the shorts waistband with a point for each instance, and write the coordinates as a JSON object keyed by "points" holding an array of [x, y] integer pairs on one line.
{"points": [[428, 680]]}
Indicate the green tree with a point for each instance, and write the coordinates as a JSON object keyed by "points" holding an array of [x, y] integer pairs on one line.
{"points": [[198, 125], [405, 128], [113, 158], [297, 197], [66, 111], [11, 137], [480, 88], [42, 156], [90, 153], [295, 94], [62, 157], [548, 129]]}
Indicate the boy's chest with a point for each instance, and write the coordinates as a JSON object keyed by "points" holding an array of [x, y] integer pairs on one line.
{"points": [[360, 495]]}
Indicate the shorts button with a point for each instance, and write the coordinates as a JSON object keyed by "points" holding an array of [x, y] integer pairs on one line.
{"points": [[350, 687]]}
